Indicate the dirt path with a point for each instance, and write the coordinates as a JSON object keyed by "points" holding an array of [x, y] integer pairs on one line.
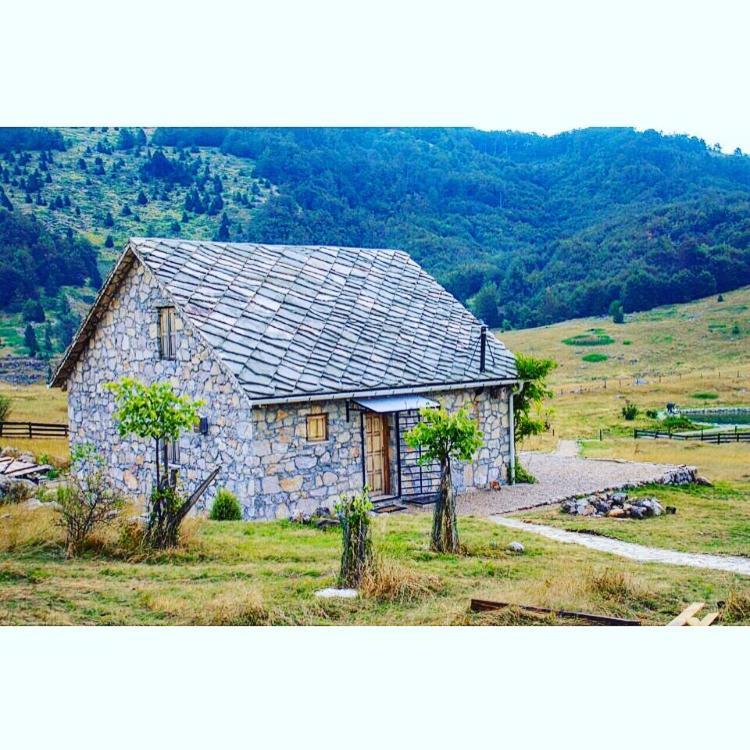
{"points": [[639, 552], [560, 475]]}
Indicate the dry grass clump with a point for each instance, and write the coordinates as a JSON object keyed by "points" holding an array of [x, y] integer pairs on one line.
{"points": [[736, 607], [509, 616], [232, 605], [613, 584], [620, 588], [23, 529], [389, 581]]}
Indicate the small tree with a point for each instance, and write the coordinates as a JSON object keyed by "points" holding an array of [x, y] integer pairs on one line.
{"points": [[527, 419], [527, 405], [88, 500], [617, 312], [356, 556], [155, 412], [29, 339], [442, 437]]}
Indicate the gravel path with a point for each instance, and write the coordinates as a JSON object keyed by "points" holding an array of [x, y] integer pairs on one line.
{"points": [[561, 475], [638, 552]]}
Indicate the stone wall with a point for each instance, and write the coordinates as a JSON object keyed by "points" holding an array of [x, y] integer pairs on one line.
{"points": [[125, 343], [293, 475], [263, 452]]}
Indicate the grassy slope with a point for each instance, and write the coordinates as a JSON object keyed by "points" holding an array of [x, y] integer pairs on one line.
{"points": [[675, 352], [237, 573], [96, 194]]}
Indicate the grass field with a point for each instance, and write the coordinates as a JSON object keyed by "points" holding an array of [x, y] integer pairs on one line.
{"points": [[708, 519], [37, 403], [267, 572], [670, 354]]}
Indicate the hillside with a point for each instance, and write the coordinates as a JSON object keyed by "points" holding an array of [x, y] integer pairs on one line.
{"points": [[704, 338], [526, 229]]}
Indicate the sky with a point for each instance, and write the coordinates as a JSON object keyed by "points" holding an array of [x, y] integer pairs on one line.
{"points": [[528, 65]]}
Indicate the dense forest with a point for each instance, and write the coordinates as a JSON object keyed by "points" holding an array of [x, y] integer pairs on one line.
{"points": [[526, 229]]}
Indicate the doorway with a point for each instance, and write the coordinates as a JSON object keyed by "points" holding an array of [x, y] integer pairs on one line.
{"points": [[377, 467]]}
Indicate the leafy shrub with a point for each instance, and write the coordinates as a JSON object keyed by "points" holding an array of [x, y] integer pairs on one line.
{"points": [[4, 408], [678, 423], [630, 411], [356, 557], [652, 413], [87, 501], [595, 357], [736, 329], [705, 395], [523, 476], [226, 507], [627, 342]]}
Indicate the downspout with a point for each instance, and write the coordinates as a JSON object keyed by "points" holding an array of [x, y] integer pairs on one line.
{"points": [[511, 432]]}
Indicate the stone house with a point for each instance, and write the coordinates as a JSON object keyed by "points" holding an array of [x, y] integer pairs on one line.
{"points": [[312, 362]]}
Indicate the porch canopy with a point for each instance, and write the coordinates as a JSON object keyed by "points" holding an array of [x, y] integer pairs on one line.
{"points": [[388, 404]]}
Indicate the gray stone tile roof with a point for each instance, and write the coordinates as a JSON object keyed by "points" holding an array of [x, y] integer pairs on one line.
{"points": [[292, 321]]}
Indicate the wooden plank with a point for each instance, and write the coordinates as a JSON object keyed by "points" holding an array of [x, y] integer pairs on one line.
{"points": [[485, 605], [709, 618], [687, 613], [27, 472]]}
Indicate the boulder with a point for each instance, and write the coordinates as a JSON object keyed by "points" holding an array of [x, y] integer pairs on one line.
{"points": [[616, 512], [637, 512], [15, 490], [516, 547]]}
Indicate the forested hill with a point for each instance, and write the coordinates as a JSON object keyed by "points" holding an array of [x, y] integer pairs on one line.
{"points": [[527, 229]]}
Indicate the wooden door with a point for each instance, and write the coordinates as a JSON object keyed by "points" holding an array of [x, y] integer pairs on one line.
{"points": [[376, 454]]}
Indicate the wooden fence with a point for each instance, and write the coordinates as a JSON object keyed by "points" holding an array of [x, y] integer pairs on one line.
{"points": [[33, 430], [720, 437]]}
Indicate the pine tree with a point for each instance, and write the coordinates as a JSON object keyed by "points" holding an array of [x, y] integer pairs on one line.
{"points": [[108, 220], [142, 199], [4, 201], [109, 242], [29, 339], [48, 338], [223, 235]]}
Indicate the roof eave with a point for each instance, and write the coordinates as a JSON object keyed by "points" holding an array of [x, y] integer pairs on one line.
{"points": [[370, 392]]}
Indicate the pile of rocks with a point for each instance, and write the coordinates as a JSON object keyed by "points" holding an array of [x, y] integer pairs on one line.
{"points": [[322, 516], [615, 505]]}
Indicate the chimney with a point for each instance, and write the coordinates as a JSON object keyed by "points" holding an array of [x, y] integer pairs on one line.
{"points": [[482, 347]]}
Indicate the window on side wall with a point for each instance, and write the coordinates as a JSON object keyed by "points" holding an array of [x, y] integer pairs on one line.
{"points": [[317, 428], [170, 457], [167, 334]]}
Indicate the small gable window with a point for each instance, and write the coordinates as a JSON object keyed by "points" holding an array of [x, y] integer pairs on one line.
{"points": [[167, 340], [317, 428]]}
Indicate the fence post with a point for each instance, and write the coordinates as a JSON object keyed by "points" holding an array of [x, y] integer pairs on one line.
{"points": [[30, 432]]}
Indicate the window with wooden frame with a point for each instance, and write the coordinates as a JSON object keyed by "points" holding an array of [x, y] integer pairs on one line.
{"points": [[170, 453], [170, 459], [317, 428], [167, 336]]}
